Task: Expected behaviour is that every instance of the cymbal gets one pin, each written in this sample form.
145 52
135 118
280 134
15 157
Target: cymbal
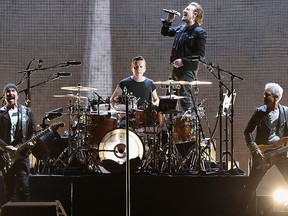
200 83
175 82
79 88
172 82
69 96
172 96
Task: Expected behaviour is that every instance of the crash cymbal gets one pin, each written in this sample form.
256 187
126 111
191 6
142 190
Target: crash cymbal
172 82
79 88
200 83
69 95
175 82
172 96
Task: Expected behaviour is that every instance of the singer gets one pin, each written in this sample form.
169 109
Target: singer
189 44
137 85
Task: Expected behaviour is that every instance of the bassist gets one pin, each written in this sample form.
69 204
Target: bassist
16 126
270 125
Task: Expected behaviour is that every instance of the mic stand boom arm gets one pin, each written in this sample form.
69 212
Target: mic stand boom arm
210 67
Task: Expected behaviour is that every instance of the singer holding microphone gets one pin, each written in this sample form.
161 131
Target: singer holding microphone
189 45
137 85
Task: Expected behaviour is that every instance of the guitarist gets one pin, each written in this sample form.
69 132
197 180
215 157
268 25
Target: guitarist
16 126
270 124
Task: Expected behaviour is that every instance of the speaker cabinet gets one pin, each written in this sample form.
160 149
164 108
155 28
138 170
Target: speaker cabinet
54 208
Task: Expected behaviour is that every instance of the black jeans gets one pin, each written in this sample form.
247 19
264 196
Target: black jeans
255 177
16 186
180 74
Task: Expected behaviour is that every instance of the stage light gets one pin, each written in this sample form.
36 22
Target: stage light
280 197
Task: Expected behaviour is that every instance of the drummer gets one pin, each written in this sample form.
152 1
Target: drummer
137 85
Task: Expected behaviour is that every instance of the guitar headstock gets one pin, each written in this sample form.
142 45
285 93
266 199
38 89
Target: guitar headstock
55 126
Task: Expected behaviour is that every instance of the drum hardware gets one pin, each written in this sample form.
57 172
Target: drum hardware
170 158
171 96
151 161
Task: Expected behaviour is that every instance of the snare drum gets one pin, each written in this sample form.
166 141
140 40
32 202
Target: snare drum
148 118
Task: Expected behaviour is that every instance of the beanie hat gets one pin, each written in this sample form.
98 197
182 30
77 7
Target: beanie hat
9 86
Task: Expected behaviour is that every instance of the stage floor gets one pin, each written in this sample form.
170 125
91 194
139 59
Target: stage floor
105 194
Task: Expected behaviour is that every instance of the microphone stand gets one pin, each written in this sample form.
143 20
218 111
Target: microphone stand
29 73
210 67
38 84
128 208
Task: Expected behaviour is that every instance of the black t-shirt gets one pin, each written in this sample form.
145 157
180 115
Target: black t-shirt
140 90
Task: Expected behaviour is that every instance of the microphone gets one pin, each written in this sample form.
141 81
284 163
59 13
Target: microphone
40 61
99 97
63 74
172 12
73 63
186 113
201 103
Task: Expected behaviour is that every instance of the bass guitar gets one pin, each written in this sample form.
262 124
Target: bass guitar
272 153
8 159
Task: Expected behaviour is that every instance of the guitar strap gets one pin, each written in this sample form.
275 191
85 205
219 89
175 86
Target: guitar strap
283 112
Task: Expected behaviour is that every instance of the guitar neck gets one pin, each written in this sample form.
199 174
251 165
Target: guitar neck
275 152
37 136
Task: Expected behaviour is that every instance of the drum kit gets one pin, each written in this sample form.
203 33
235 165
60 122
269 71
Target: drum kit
162 139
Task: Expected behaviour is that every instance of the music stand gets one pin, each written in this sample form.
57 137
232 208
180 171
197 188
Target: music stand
167 105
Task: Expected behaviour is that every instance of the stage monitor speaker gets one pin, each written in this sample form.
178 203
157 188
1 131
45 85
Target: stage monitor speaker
53 208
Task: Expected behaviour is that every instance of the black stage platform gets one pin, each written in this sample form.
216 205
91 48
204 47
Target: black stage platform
105 194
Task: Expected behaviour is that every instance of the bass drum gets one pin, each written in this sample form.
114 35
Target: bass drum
112 150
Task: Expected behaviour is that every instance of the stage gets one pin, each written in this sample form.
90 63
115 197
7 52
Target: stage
105 194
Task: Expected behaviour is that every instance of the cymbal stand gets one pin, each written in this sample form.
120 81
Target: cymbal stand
151 158
195 152
172 160
77 139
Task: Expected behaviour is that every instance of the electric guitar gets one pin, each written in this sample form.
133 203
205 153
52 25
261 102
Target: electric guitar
8 159
272 153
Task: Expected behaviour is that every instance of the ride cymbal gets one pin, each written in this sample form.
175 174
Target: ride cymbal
78 88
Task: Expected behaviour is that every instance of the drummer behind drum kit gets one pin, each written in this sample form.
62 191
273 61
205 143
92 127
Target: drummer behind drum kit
161 139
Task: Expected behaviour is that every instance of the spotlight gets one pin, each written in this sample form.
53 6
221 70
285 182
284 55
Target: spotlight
280 200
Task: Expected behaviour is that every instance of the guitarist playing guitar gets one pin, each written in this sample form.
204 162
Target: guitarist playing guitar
16 126
270 144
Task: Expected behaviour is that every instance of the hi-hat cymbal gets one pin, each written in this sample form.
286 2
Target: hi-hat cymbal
107 112
172 96
172 82
79 88
69 96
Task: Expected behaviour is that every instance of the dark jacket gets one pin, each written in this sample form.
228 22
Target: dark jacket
262 129
25 128
189 41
